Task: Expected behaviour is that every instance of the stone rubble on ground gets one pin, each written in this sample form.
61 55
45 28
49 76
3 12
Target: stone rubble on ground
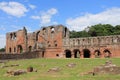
54 69
107 68
71 65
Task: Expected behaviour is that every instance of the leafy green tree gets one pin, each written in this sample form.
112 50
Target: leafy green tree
2 50
101 30
97 30
117 30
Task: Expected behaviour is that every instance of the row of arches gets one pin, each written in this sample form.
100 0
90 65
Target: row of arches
19 49
86 53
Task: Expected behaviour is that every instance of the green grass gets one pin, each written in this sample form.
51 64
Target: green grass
65 73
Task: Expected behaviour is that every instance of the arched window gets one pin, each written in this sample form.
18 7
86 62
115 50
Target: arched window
20 49
55 43
14 49
37 35
65 32
97 53
10 50
30 48
107 53
44 31
52 29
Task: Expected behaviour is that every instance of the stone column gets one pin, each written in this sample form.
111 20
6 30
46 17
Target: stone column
63 55
102 54
81 55
92 54
72 54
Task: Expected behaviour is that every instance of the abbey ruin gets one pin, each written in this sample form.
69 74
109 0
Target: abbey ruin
54 42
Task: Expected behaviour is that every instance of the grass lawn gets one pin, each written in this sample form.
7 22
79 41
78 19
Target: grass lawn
65 73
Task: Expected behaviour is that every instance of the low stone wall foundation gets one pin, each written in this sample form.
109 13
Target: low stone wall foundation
27 55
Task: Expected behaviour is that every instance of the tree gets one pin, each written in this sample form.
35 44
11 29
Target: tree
2 50
117 30
101 30
97 30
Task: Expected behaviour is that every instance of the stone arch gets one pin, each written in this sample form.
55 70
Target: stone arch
86 53
14 36
97 53
43 54
30 48
55 43
76 53
107 53
44 31
68 53
20 49
10 50
52 29
14 49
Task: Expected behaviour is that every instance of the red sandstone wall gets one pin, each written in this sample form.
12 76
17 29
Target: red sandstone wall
13 43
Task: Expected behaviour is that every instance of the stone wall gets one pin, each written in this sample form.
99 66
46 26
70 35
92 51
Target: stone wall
16 41
55 42
101 46
92 41
26 55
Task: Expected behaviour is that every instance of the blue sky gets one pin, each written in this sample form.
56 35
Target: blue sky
75 14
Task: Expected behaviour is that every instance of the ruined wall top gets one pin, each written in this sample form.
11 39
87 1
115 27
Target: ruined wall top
92 41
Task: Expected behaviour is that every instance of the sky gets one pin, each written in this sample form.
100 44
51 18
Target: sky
74 14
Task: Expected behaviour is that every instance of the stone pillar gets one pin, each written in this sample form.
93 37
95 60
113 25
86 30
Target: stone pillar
72 54
92 54
102 54
81 55
63 55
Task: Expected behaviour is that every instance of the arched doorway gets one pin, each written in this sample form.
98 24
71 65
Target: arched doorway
43 53
10 50
20 49
86 53
68 53
30 48
107 53
97 53
76 53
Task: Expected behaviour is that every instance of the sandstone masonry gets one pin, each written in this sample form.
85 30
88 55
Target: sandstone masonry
54 42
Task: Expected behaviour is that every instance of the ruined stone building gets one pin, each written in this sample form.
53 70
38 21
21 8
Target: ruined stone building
54 42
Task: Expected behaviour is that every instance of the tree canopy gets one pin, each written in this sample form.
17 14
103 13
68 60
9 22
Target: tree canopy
97 30
2 50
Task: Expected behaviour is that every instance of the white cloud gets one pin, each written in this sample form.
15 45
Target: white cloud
109 16
35 17
13 8
32 6
45 17
2 41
